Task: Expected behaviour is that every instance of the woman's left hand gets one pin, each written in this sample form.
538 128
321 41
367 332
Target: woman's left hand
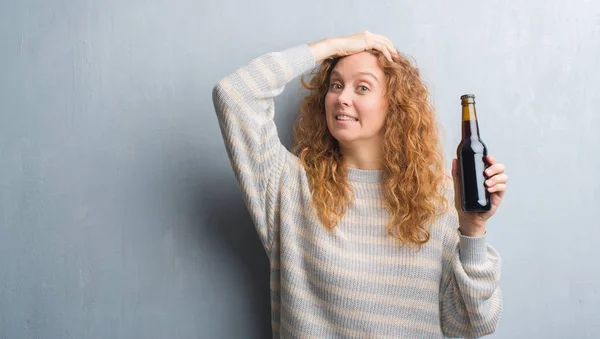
473 224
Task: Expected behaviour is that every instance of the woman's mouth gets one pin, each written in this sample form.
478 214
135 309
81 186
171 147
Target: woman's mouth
343 117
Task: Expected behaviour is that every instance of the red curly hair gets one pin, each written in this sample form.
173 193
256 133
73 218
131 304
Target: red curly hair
413 178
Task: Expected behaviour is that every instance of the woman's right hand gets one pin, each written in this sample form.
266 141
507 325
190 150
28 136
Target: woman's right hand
350 44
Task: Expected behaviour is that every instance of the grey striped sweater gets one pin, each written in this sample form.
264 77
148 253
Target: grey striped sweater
355 281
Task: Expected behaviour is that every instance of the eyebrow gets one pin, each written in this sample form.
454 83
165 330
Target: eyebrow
336 73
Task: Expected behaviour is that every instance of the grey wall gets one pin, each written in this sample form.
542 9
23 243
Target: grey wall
120 216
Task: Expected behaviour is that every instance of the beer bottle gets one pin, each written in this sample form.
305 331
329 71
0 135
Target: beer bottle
471 154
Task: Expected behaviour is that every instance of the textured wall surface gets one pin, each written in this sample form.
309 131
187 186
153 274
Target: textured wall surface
120 216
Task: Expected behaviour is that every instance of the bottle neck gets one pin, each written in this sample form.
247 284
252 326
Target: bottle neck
470 128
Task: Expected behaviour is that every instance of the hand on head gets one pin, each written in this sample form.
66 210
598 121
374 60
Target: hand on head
354 43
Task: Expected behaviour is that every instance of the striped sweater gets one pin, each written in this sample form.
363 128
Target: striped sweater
355 281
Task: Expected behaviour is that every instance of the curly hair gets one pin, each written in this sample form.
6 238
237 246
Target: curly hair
413 178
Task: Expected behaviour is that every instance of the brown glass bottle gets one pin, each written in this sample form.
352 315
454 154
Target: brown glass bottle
471 154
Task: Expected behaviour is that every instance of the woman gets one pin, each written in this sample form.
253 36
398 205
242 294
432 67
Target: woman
361 240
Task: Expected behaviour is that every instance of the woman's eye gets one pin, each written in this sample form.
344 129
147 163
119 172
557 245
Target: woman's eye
336 86
363 88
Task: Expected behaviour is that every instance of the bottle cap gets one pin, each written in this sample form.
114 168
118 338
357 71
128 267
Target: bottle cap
467 96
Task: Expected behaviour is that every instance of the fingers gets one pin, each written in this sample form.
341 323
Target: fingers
385 51
388 44
387 47
498 188
380 43
391 46
501 178
494 170
497 178
497 183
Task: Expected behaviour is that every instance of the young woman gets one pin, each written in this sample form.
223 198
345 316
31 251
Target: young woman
358 223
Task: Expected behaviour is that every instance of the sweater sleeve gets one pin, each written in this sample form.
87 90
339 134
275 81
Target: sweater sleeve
470 297
244 104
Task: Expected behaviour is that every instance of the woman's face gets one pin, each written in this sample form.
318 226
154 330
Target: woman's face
355 104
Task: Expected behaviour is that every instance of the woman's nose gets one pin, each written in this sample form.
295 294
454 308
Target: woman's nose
344 99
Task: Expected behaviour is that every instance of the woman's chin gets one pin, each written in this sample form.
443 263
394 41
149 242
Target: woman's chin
343 138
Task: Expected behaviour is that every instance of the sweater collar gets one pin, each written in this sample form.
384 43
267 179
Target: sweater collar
359 175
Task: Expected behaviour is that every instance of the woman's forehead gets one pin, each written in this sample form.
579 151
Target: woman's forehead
363 63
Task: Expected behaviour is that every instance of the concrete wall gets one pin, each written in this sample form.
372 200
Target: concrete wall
119 213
